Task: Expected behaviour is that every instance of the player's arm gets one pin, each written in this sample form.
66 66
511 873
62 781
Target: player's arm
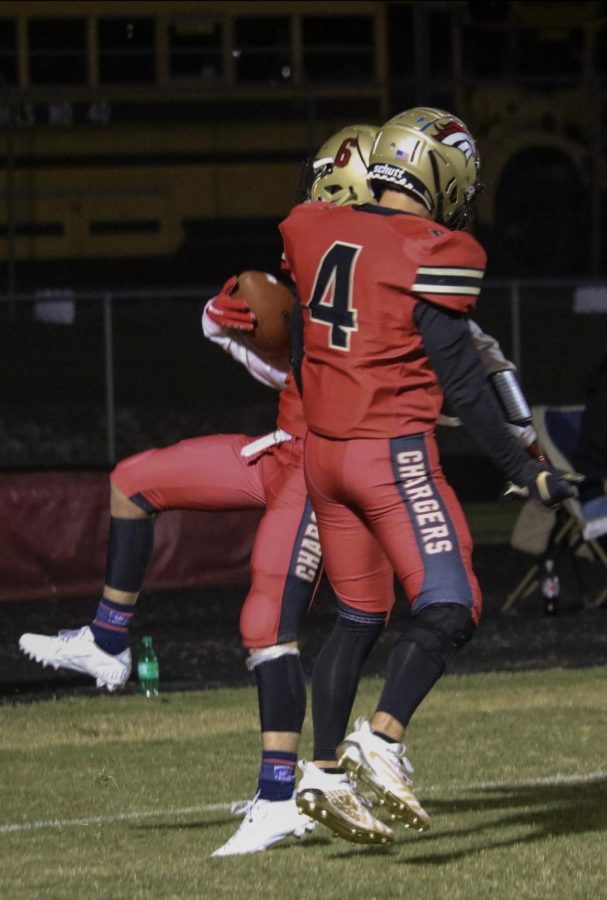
503 380
489 350
449 346
226 320
449 278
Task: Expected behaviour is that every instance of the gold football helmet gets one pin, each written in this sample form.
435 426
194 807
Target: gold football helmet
430 154
338 172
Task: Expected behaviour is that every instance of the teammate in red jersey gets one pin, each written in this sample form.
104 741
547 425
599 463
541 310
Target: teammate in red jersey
385 289
226 472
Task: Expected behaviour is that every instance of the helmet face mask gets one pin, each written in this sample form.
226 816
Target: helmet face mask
338 172
429 154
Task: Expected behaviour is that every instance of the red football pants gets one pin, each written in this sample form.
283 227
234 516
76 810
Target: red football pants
209 473
384 504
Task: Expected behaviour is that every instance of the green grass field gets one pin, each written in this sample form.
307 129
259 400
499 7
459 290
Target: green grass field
124 797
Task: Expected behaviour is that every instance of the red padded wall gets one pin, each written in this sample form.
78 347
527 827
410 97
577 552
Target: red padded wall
53 539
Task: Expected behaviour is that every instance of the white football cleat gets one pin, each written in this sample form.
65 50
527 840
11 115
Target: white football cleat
334 801
265 823
384 768
77 650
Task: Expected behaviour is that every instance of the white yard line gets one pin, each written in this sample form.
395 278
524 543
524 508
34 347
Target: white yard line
85 821
547 781
118 817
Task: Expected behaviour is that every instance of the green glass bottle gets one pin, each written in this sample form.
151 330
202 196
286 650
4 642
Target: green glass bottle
148 670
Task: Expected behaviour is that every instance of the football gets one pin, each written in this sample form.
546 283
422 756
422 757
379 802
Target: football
272 303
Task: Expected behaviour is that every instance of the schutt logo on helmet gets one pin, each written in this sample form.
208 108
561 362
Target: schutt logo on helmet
385 170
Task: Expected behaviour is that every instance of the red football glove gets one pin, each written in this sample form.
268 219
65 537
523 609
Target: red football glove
229 311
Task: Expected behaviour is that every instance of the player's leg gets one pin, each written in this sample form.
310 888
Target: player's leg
364 606
285 571
425 535
336 676
201 473
130 546
337 672
419 523
365 602
101 649
272 815
363 580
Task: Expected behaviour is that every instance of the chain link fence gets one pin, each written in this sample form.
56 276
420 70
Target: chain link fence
89 378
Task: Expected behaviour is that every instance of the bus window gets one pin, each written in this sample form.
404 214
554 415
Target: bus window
8 51
57 51
195 49
339 48
489 10
401 43
440 42
127 50
600 53
262 49
544 52
486 52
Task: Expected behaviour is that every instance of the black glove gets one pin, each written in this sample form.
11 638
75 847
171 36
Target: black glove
545 483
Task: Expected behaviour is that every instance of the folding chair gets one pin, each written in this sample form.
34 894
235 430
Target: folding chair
557 429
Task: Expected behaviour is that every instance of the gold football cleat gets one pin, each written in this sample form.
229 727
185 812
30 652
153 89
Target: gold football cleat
345 814
383 768
332 800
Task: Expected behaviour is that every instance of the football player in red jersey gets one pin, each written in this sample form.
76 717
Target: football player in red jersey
223 472
236 471
385 289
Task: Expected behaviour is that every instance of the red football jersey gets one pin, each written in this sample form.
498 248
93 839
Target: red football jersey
359 272
290 410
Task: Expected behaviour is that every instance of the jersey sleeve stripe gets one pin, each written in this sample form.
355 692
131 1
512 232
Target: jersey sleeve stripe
464 290
455 280
457 271
447 283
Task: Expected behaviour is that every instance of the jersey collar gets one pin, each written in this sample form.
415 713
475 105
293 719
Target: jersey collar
379 210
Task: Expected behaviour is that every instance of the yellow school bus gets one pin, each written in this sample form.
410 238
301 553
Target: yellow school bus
133 129
127 126
533 85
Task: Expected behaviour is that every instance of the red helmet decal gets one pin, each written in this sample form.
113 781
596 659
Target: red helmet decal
455 135
343 155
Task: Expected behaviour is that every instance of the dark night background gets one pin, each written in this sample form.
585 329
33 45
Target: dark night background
149 151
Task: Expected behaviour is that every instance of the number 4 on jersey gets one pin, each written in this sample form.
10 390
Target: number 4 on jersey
331 300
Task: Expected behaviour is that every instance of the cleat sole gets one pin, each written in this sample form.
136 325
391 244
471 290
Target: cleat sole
350 759
314 804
